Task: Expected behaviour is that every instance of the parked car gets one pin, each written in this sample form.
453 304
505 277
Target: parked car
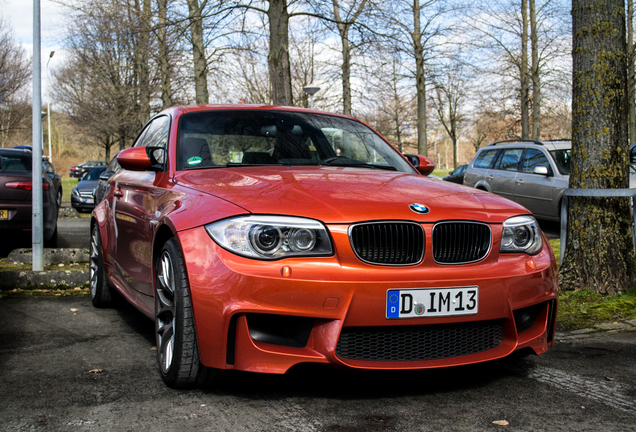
532 173
258 238
456 175
78 171
16 219
83 195
49 169
112 168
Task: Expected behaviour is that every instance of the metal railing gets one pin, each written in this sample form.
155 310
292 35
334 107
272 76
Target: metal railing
594 193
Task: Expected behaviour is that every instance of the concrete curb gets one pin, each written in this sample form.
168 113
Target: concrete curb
53 279
51 256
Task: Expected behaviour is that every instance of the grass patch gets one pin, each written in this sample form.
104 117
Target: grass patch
67 187
441 172
556 248
583 309
45 292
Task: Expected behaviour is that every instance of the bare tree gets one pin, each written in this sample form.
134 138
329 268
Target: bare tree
195 16
599 255
450 96
15 72
419 27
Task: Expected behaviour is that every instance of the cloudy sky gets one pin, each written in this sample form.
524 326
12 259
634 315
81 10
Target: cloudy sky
19 14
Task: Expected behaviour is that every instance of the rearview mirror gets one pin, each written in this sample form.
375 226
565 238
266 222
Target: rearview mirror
423 164
541 170
134 159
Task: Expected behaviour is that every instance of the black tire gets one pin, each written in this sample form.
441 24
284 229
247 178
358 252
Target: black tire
100 291
177 345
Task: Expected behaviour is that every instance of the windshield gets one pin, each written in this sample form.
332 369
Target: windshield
242 138
15 162
94 173
562 160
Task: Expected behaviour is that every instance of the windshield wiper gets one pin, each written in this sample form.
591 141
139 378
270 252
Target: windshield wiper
359 165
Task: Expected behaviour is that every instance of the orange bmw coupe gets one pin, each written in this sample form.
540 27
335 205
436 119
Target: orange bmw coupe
258 238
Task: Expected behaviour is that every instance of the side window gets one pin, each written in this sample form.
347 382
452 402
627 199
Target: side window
156 135
509 160
485 158
534 158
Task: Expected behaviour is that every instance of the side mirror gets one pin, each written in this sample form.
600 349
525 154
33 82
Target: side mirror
106 175
134 159
423 164
541 170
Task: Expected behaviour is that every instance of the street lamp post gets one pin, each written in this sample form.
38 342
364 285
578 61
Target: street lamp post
311 90
48 104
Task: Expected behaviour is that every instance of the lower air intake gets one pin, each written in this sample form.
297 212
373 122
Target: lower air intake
417 343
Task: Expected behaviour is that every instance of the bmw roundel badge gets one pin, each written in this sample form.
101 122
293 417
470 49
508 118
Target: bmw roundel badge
419 208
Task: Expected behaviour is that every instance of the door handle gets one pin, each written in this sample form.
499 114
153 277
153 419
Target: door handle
118 193
489 177
519 181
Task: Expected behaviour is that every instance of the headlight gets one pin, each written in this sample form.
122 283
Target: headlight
75 192
271 237
521 234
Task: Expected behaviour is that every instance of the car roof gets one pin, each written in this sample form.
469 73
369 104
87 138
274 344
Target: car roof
548 145
10 151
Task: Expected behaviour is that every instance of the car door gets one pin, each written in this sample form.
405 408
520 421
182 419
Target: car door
478 173
505 171
534 191
134 209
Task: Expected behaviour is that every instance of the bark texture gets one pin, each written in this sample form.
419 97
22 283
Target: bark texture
535 73
198 51
278 59
523 71
164 54
631 72
599 253
420 80
343 29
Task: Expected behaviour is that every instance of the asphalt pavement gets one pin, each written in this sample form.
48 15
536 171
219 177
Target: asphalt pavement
65 365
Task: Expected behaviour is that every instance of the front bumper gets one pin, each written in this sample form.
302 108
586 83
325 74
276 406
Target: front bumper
250 317
82 203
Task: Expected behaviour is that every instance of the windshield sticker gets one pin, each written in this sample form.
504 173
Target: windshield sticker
195 160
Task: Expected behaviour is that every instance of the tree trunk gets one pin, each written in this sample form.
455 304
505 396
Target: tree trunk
536 78
142 49
198 52
420 81
343 29
523 70
278 59
164 55
599 255
631 72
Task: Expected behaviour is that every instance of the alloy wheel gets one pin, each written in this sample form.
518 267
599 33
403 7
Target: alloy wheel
165 311
94 263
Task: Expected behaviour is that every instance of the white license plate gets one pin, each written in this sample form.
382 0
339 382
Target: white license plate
89 200
432 302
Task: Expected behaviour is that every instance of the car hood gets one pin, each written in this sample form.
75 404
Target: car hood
87 185
345 195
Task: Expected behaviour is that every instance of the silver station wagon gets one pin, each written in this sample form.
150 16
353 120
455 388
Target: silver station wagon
532 173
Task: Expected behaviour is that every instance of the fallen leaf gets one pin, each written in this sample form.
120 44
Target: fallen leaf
500 422
74 310
153 349
96 371
609 379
